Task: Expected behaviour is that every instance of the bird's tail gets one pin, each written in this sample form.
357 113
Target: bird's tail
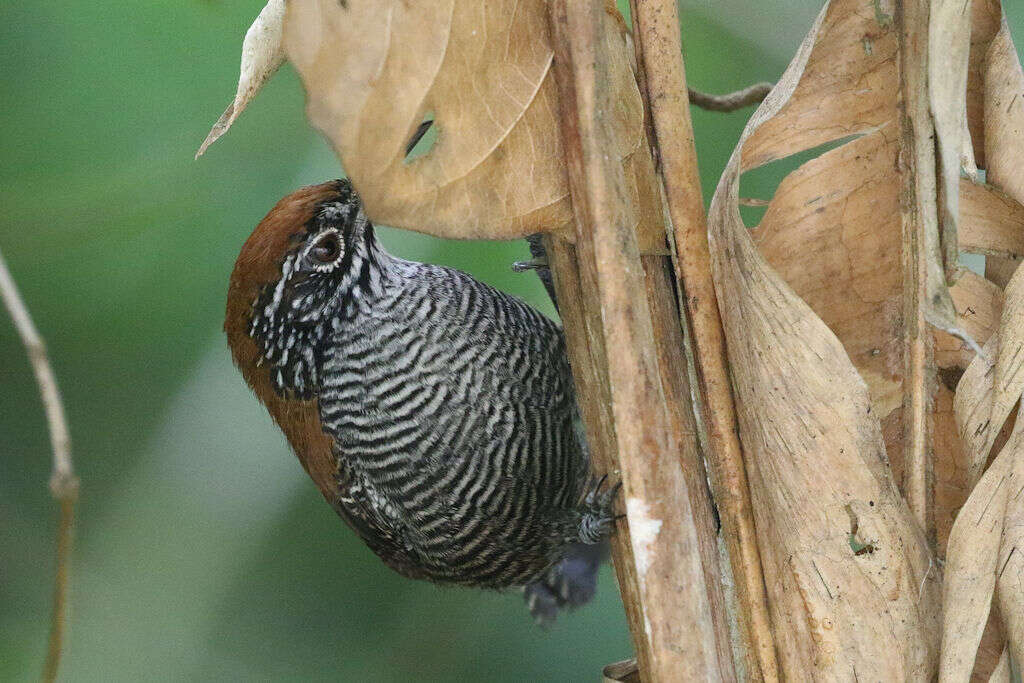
567 584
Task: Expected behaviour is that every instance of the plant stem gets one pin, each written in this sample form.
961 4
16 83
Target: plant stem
659 558
660 58
63 482
917 158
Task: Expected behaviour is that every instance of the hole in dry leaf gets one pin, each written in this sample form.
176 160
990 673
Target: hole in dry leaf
856 545
859 548
422 139
758 186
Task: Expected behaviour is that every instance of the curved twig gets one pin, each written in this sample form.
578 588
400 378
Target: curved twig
732 101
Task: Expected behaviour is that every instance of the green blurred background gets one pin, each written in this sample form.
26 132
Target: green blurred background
203 552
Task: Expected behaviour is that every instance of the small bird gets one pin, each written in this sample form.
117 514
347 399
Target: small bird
434 413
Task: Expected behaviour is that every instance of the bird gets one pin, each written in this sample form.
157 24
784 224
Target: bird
435 414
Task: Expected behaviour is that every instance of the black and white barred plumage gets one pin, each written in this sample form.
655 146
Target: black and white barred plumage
451 410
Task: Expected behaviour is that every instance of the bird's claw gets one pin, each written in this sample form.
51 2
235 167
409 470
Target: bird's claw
532 264
597 510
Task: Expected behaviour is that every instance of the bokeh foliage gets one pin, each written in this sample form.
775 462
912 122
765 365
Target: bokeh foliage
203 551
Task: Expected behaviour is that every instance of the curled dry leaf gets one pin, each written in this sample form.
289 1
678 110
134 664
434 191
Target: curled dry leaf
986 16
1010 563
374 69
849 88
988 393
972 553
991 221
1004 115
1003 125
852 585
832 231
262 55
983 555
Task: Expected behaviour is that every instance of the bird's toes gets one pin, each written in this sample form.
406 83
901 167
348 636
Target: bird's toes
597 510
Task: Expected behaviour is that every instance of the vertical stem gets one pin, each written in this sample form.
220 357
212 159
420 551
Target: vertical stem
659 47
58 614
63 482
585 348
668 339
673 627
917 159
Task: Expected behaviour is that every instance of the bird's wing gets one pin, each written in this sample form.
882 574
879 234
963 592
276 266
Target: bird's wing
380 534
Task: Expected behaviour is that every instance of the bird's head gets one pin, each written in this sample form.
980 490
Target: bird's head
290 284
294 278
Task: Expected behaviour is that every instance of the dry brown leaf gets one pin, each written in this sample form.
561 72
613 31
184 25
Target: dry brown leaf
991 221
852 586
1003 126
848 89
971 558
985 20
991 388
262 55
1004 116
832 231
991 392
374 69
1010 563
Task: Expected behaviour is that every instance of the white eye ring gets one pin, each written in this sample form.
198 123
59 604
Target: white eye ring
326 251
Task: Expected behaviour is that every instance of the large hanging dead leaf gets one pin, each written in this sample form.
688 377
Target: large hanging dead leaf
832 232
851 583
374 69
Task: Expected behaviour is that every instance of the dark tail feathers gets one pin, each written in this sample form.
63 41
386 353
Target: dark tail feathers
568 584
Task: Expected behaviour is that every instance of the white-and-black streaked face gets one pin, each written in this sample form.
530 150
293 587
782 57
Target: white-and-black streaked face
320 274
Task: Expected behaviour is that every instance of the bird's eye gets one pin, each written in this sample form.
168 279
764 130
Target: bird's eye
326 250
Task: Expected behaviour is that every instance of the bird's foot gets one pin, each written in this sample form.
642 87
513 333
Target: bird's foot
597 510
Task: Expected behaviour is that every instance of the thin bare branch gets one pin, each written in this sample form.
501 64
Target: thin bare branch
732 101
63 482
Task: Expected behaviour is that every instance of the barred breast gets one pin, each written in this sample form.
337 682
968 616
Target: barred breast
451 408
